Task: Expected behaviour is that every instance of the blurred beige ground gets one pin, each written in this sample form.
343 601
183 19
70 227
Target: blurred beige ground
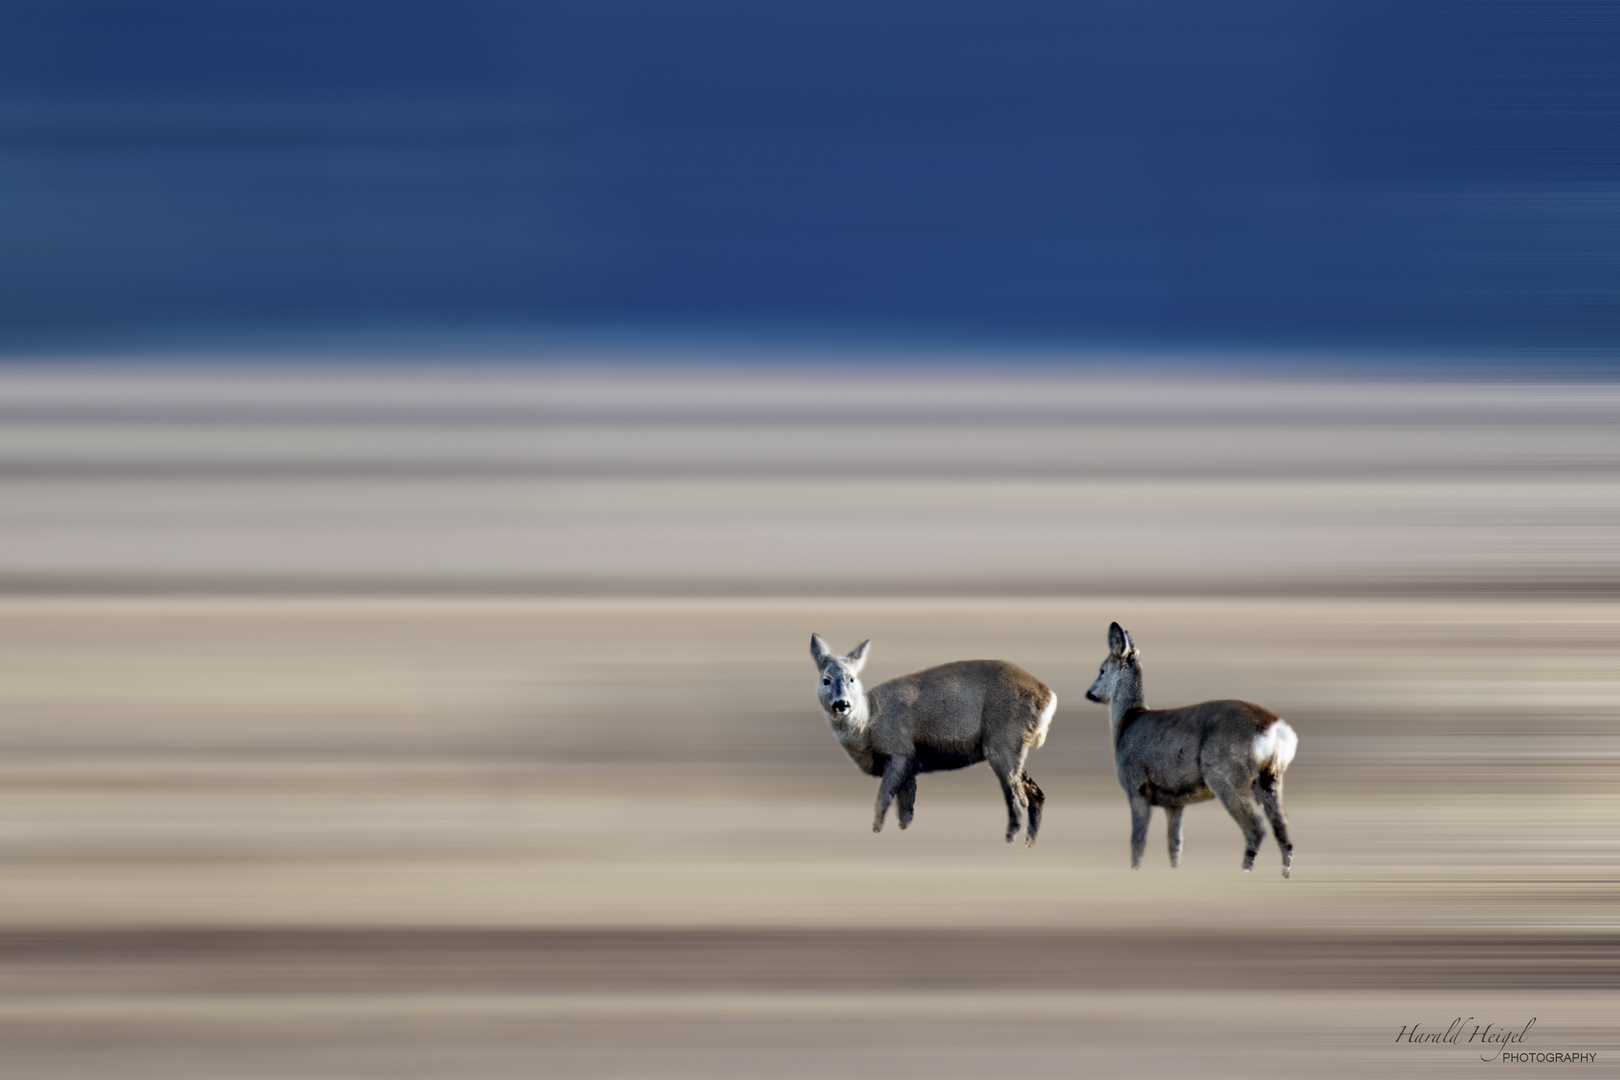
396 723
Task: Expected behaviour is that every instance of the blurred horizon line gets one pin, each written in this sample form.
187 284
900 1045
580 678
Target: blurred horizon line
783 349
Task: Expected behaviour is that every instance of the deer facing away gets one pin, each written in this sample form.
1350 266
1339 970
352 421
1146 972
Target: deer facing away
1228 750
947 717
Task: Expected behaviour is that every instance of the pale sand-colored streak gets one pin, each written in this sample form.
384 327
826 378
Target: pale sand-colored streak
538 665
1245 1031
625 479
581 762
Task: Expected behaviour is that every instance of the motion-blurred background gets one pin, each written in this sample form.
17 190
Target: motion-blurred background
429 435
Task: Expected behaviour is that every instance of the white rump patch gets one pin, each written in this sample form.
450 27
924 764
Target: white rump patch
1275 746
1046 722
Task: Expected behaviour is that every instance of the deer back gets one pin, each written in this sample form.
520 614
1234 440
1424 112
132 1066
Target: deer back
954 705
1175 747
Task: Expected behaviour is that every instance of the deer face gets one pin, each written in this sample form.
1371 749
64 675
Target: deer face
838 683
1121 655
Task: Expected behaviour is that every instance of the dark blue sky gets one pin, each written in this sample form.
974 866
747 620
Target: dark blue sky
1150 171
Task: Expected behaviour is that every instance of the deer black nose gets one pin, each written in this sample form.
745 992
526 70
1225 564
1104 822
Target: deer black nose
840 706
1092 697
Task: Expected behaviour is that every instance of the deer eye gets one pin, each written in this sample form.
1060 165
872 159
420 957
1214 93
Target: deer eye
826 682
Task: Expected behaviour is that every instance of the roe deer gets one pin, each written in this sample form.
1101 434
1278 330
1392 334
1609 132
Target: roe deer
1222 750
947 717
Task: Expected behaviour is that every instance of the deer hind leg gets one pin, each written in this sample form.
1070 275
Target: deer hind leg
1240 804
1269 789
1172 817
1013 790
906 800
1009 769
1035 800
895 774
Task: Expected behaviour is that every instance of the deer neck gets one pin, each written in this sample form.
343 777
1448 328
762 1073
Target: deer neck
1126 699
853 729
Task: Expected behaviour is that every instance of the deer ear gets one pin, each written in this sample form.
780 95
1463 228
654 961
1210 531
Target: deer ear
818 649
1117 639
1130 643
856 657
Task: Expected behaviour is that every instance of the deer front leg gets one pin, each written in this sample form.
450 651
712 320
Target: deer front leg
1141 811
1172 815
895 774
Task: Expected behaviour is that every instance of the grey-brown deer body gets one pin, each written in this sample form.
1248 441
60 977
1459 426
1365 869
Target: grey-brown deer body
1233 751
947 717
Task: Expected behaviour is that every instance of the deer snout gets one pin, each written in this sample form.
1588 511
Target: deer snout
840 707
1093 697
